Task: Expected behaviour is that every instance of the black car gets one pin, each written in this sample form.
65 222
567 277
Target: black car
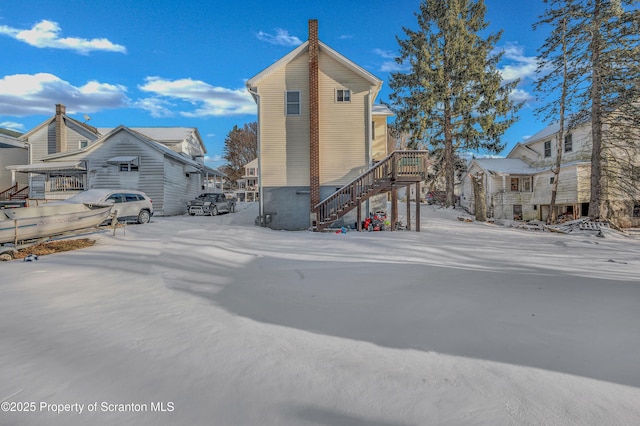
212 204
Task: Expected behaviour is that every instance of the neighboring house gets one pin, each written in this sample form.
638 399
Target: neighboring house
316 125
213 180
248 185
12 151
519 186
68 156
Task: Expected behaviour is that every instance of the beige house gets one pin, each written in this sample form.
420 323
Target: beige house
519 186
319 129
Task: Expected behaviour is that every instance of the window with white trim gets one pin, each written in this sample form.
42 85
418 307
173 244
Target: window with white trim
568 143
343 95
128 167
83 144
292 98
547 149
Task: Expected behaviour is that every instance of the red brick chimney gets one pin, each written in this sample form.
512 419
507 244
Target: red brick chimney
61 129
314 121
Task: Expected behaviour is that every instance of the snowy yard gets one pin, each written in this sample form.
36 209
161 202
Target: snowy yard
213 321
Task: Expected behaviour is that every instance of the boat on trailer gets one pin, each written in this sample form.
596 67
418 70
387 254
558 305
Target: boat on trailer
24 224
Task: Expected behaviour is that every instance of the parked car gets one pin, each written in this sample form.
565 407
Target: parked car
212 204
129 205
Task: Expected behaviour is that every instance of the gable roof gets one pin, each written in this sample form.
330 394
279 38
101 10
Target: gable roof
164 135
150 142
65 117
304 47
253 163
507 166
11 142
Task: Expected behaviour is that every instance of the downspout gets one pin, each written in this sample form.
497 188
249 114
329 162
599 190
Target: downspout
369 156
254 93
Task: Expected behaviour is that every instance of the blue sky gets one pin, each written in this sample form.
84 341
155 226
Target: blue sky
184 63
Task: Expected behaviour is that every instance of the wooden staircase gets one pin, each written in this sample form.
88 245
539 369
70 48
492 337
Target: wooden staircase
14 193
399 168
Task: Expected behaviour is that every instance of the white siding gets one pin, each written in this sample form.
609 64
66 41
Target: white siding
12 157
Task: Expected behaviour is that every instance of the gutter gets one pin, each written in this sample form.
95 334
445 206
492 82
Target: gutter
256 97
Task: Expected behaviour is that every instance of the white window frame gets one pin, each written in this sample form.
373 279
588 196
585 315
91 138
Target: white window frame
343 96
547 151
568 142
287 103
83 144
128 167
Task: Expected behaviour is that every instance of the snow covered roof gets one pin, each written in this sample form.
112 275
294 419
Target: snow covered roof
160 134
506 166
381 110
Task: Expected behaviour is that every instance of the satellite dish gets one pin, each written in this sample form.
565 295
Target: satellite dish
86 118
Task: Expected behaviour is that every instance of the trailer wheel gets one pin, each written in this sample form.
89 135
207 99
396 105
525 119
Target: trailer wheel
4 257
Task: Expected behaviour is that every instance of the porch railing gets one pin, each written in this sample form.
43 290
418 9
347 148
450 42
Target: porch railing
398 167
65 183
15 192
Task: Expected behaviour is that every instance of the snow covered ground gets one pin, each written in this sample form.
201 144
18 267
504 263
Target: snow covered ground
213 321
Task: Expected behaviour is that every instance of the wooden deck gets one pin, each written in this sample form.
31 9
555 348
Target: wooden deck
398 169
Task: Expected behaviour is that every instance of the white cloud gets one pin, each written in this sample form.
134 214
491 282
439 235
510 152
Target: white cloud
393 66
213 159
27 94
345 37
521 95
517 65
208 100
47 34
12 125
281 38
385 53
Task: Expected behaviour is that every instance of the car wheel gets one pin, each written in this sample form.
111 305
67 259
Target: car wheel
191 214
144 216
214 211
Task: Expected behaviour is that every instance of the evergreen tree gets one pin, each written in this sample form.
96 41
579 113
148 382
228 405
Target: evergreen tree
453 98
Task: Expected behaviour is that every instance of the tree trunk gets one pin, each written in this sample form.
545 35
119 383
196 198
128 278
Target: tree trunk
596 116
480 199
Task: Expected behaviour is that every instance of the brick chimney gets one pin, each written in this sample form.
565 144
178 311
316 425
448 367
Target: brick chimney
314 121
61 129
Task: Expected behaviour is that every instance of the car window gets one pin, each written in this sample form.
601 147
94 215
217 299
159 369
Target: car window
117 198
131 197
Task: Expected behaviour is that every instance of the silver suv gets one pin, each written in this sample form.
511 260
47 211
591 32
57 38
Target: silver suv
212 204
130 205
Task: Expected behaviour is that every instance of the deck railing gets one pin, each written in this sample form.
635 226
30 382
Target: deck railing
397 167
65 183
15 192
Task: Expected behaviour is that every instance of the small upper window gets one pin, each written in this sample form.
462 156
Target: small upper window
343 95
83 144
547 149
568 143
293 102
128 167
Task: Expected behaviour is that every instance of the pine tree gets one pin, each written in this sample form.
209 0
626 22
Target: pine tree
453 98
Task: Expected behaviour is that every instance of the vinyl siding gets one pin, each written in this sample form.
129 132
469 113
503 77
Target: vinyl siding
43 141
344 126
12 157
284 139
163 179
379 145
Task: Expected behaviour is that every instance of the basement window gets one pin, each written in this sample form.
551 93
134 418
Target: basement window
343 95
293 102
517 212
